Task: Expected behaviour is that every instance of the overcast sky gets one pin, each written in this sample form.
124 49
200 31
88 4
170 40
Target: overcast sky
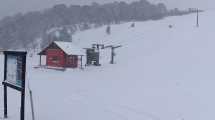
10 7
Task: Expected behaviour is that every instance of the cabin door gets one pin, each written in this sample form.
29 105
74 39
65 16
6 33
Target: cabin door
73 61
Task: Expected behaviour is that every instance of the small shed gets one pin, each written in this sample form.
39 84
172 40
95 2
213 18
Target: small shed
92 56
62 54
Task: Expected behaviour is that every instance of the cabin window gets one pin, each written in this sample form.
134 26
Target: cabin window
55 59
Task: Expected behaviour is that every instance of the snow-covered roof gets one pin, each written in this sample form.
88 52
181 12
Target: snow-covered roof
69 48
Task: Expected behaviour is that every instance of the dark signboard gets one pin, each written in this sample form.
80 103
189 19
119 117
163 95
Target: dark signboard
14 76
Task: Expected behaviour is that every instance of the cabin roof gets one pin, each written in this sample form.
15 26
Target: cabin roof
68 48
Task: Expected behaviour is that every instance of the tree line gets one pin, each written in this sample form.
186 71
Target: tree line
21 30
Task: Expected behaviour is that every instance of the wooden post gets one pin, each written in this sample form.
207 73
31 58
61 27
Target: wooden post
81 62
40 60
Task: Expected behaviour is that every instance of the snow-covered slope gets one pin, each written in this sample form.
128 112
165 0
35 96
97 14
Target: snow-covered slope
160 74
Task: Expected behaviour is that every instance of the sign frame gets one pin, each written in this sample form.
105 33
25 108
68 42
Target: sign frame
6 84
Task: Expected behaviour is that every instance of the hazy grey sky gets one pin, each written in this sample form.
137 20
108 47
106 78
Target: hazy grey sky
10 7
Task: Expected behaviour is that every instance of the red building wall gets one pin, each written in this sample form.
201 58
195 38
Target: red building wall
55 58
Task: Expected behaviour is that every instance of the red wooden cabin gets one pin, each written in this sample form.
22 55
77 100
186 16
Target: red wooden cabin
61 54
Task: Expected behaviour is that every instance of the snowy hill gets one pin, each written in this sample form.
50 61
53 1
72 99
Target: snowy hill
160 74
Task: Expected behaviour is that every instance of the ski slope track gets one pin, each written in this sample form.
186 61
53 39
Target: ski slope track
161 73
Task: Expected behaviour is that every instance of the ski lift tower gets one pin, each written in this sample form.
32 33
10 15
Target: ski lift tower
113 54
196 10
197 17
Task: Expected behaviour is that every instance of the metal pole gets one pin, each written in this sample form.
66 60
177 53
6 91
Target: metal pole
112 55
22 111
197 18
5 87
32 105
5 101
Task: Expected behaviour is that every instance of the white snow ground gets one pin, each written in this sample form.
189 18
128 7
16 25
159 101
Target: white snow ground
160 74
